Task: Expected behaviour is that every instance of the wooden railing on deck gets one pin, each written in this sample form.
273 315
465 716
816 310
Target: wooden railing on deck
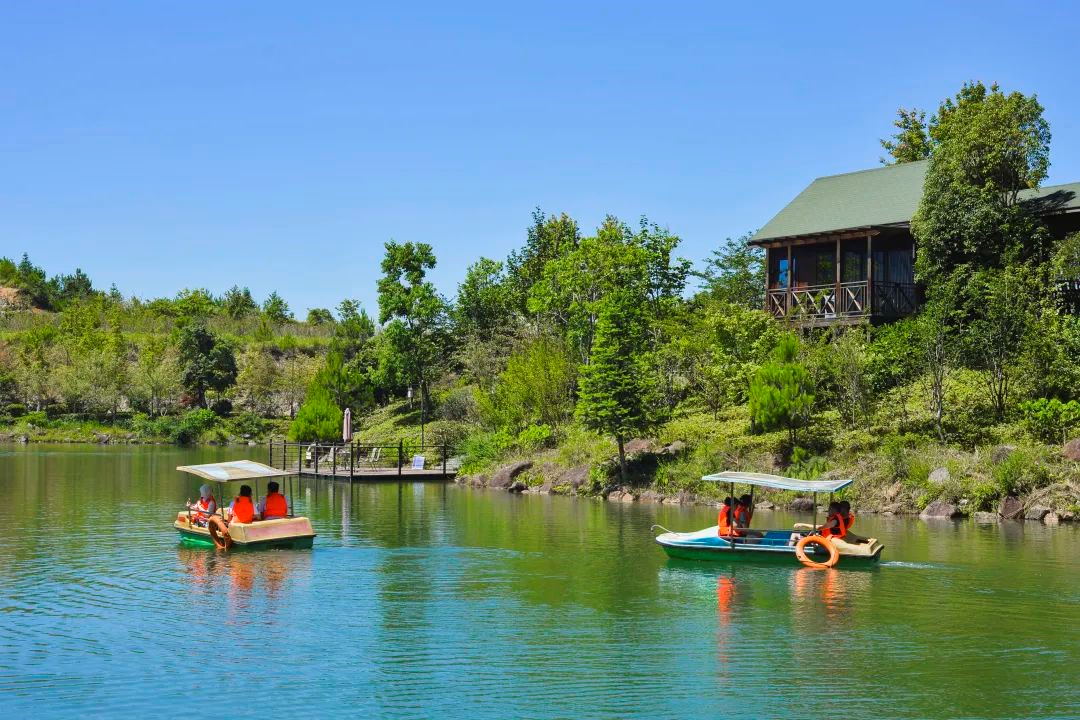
822 302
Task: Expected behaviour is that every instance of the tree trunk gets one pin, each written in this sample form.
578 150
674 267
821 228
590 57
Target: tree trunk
622 458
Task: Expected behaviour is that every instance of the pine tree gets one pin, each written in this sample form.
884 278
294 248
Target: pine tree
780 396
617 390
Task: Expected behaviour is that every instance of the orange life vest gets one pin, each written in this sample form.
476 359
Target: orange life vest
276 505
723 526
849 521
242 510
742 515
839 531
202 507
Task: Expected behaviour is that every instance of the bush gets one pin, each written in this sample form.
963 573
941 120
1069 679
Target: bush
15 409
191 425
482 449
248 425
535 437
37 418
458 404
1049 419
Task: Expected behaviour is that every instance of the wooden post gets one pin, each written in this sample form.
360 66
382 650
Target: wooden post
352 454
869 275
790 283
444 461
400 451
316 459
768 259
836 293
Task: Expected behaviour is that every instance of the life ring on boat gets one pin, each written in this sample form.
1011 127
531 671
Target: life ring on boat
219 532
800 552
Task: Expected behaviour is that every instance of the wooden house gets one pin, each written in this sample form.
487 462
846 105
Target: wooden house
842 250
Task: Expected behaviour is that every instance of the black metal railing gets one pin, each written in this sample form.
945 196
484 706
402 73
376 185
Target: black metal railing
363 460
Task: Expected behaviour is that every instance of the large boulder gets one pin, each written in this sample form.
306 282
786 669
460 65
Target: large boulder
802 504
650 496
673 449
985 518
1036 512
1010 507
505 476
939 476
1001 453
1071 451
940 509
765 505
638 446
1051 518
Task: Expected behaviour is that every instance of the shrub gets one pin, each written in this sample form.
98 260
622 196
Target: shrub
458 404
248 425
482 449
15 409
37 418
191 425
535 437
1049 419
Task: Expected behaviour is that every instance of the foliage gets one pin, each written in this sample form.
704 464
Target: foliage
319 418
735 274
781 396
911 141
238 303
617 391
480 450
548 239
1050 419
483 299
207 362
319 316
535 437
276 309
536 387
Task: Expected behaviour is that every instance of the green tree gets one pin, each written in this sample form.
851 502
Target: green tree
988 146
276 309
319 417
237 303
256 380
617 390
413 313
483 301
536 388
206 362
155 376
781 394
911 141
297 371
549 238
319 316
735 274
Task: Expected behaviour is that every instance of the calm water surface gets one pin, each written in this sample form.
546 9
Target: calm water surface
426 600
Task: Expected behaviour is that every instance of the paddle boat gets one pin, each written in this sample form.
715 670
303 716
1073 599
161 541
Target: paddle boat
293 532
799 544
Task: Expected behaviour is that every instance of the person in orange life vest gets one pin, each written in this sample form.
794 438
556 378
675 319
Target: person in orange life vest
241 509
724 525
273 506
744 513
834 526
204 508
849 520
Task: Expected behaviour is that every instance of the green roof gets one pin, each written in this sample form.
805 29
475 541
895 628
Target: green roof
886 195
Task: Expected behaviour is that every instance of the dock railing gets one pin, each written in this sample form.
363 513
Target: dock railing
356 460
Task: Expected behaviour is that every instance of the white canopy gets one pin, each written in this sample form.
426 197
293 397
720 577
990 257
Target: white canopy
778 482
233 470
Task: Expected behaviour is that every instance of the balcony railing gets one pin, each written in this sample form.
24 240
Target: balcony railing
824 302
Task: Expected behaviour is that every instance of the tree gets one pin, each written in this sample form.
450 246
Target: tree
257 380
276 309
549 238
206 362
237 303
194 305
319 316
781 394
937 353
297 372
414 313
988 146
155 375
1003 306
617 391
735 274
911 141
483 301
536 388
319 417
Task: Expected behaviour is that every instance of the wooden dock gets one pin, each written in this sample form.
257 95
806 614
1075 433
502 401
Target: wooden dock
364 462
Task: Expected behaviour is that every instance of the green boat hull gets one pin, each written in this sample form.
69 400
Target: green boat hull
199 540
755 557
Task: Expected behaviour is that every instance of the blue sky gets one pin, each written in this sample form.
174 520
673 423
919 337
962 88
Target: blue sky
163 145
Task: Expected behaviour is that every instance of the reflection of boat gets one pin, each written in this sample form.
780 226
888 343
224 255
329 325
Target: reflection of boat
288 532
772 545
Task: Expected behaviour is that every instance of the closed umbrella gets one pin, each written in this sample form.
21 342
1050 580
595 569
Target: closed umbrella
346 428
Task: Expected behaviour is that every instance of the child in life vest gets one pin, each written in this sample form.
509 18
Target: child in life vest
204 508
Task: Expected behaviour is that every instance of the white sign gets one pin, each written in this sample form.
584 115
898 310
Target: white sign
418 462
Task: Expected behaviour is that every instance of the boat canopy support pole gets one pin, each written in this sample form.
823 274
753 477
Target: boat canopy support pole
815 511
731 517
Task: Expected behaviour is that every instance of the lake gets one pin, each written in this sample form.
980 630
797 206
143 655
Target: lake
431 600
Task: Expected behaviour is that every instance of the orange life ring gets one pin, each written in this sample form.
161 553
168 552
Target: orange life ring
219 532
800 552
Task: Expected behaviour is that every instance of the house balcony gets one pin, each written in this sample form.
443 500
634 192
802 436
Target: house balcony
846 302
